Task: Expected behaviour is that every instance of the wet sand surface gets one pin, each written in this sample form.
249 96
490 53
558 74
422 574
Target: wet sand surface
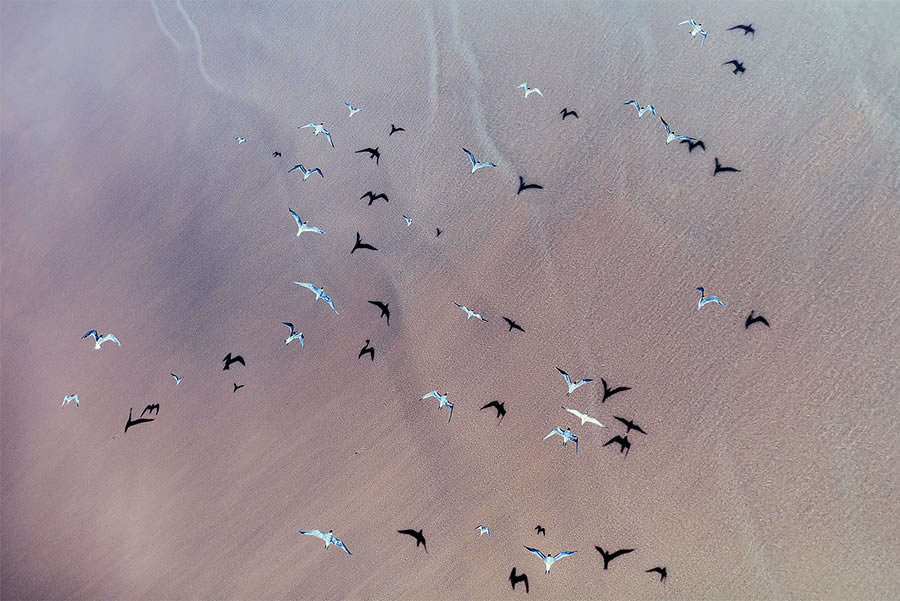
769 470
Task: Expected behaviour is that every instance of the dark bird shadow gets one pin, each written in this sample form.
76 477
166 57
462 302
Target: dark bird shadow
501 410
692 144
229 360
608 557
748 29
661 571
523 186
367 349
385 312
416 534
513 325
622 441
566 113
630 425
373 197
237 387
752 320
361 245
135 422
373 153
720 169
608 392
395 129
515 579
540 530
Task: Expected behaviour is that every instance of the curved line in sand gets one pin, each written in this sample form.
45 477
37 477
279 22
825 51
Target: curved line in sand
162 26
196 33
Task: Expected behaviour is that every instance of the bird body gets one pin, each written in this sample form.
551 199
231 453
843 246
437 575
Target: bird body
641 111
320 293
705 300
567 435
319 129
294 335
483 530
408 220
303 226
69 398
328 537
671 136
442 399
99 340
548 560
306 172
353 111
696 30
584 417
470 313
240 140
475 164
529 90
573 386
177 379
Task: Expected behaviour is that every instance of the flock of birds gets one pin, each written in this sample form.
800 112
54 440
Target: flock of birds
572 385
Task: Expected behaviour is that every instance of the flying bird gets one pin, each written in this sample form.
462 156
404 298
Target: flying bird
608 392
483 530
373 153
641 111
752 320
549 561
514 579
237 386
567 435
177 379
353 111
476 165
630 425
276 154
712 299
408 220
367 349
98 339
720 169
540 530
320 293
573 386
584 417
69 398
306 172
329 538
361 245
229 360
395 129
529 90
524 186
693 145
470 313
622 441
565 113
661 571
670 136
416 534
442 398
608 557
738 67
294 335
501 410
240 140
513 325
303 226
695 30
748 29
385 312
374 197
319 129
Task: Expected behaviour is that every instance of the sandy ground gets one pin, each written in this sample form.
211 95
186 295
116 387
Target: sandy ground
770 467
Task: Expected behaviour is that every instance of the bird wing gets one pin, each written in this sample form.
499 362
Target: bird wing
433 393
316 533
112 337
555 431
307 125
290 325
592 420
348 106
563 554
685 138
538 92
330 141
576 413
306 285
295 167
91 333
666 125
536 552
315 230
471 156
566 376
688 21
522 85
296 216
331 303
339 543
317 170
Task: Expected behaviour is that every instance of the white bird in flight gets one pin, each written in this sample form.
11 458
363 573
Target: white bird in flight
240 140
177 379
695 30
302 225
408 220
712 299
293 335
584 417
640 110
549 561
483 530
575 385
328 537
529 90
306 172
320 129
476 165
470 313
320 293
670 136
69 398
443 401
98 339
353 111
567 436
